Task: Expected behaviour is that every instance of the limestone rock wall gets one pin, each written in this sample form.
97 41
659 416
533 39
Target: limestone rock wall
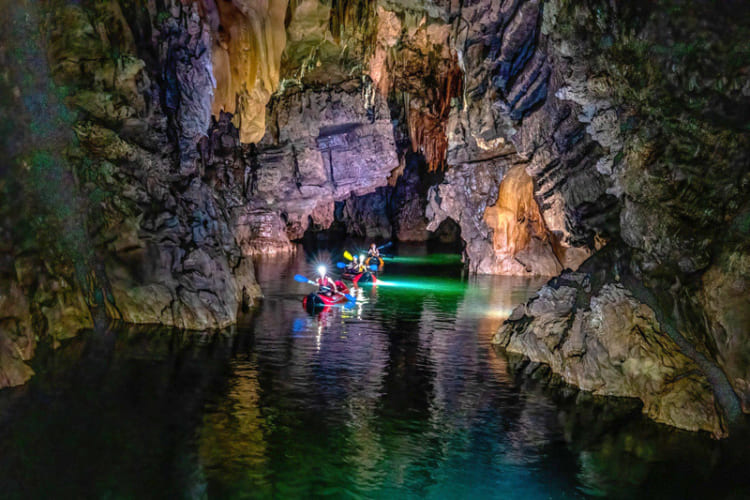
322 147
725 298
510 112
105 205
392 212
607 342
166 238
46 288
662 139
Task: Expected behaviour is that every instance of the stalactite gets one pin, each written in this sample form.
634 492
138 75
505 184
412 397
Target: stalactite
427 124
354 19
249 37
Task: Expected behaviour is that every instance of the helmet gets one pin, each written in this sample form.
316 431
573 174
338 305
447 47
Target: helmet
322 270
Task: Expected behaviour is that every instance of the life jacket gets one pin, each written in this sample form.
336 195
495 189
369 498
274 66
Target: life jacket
326 282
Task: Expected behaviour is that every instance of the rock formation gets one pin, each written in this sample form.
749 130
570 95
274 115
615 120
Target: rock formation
678 224
607 342
395 211
323 147
247 41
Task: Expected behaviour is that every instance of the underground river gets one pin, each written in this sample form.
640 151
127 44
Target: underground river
401 395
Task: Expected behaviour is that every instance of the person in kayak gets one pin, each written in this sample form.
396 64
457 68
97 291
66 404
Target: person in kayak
326 286
373 252
353 265
373 256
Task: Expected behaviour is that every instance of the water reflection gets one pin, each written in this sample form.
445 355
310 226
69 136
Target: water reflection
400 395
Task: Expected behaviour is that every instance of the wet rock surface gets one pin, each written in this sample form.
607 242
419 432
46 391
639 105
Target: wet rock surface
610 344
166 237
512 114
726 301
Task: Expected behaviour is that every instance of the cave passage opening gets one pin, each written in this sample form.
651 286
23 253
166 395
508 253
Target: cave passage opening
394 213
446 238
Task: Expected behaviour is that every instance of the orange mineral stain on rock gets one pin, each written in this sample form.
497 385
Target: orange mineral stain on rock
521 240
427 123
249 37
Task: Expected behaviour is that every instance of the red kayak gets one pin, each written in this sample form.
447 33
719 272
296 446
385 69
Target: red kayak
316 301
360 278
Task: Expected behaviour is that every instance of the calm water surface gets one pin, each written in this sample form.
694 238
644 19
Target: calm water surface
399 396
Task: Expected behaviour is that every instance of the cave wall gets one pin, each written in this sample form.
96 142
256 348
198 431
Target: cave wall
511 114
395 211
660 96
108 213
247 39
132 193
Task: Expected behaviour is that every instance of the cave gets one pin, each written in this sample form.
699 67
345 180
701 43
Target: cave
447 237
555 196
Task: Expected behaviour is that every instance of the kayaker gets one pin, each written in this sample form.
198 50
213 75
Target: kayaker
353 265
326 285
373 251
373 256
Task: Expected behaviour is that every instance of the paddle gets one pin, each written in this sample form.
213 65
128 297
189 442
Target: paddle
341 265
386 245
347 255
301 279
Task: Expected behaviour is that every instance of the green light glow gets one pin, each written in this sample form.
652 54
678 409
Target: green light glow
426 284
431 259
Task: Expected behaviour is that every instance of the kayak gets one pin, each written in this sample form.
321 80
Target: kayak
356 278
316 301
374 261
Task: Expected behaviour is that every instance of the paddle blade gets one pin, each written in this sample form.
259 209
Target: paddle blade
340 265
350 298
300 279
347 255
385 245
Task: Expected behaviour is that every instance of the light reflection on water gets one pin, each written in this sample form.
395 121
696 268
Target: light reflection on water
400 395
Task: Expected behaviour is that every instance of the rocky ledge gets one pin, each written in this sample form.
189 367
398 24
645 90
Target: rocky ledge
601 330
608 343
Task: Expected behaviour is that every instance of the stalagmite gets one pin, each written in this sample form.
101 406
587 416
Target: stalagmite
520 239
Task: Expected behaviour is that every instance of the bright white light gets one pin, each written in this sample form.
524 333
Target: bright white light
321 270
